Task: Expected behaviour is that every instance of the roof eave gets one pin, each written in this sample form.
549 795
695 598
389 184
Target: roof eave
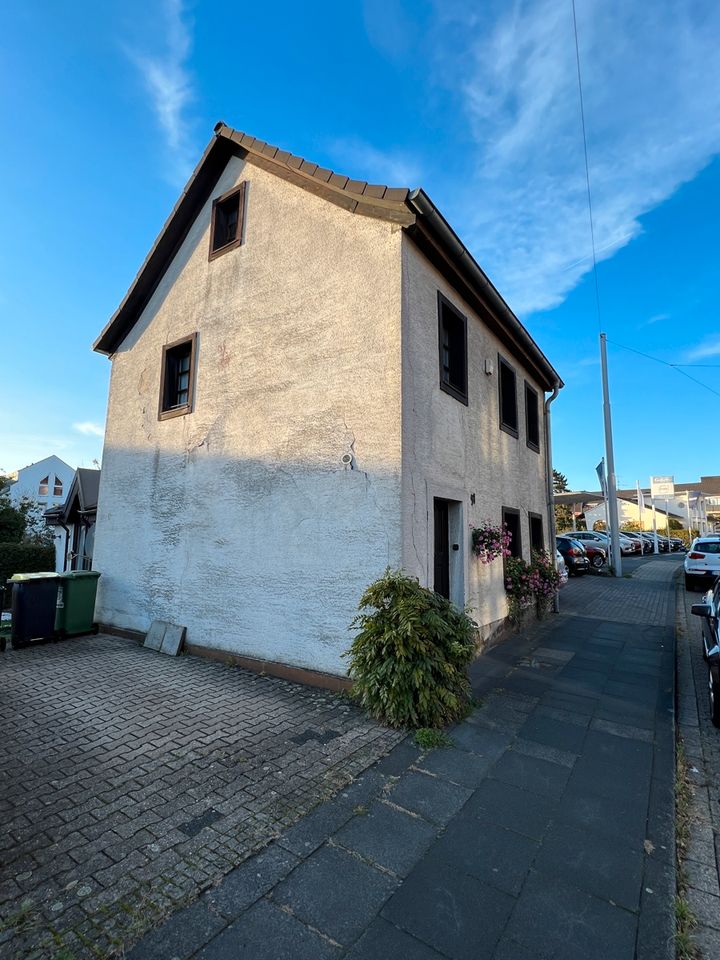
429 215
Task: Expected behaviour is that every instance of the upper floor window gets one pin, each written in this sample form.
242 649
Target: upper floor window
532 418
452 343
57 487
227 221
508 398
44 486
177 378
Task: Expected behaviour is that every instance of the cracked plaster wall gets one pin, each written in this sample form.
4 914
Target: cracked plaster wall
239 520
453 451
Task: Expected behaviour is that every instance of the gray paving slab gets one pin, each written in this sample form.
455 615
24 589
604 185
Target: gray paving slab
531 774
492 854
383 940
432 798
511 807
335 893
611 871
452 912
552 915
387 837
266 932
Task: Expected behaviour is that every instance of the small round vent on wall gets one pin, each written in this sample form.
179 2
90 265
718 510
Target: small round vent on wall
347 459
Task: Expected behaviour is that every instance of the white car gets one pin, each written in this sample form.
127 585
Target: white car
702 563
627 544
561 568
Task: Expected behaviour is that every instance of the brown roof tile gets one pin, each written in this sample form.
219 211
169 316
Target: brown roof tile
375 190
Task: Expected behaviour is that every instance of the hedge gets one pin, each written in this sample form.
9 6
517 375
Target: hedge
24 558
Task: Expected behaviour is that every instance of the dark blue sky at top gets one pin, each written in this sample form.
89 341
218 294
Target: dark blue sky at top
377 91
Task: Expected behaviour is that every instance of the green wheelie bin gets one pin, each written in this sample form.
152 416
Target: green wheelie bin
76 602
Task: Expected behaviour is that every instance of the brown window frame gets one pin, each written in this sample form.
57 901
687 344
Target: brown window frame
460 394
504 425
513 511
167 414
531 443
240 192
536 517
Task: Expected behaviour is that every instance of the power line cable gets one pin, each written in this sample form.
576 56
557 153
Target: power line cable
673 366
587 167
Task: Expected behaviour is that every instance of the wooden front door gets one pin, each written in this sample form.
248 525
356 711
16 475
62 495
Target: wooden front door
442 548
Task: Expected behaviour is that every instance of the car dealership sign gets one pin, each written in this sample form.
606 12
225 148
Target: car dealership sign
662 487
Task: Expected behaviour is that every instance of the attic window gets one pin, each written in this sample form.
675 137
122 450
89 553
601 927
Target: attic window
452 343
508 398
227 221
177 378
43 489
532 418
57 487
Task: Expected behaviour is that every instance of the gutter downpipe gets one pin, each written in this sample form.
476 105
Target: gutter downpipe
550 491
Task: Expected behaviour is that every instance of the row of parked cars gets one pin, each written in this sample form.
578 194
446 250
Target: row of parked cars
582 550
702 569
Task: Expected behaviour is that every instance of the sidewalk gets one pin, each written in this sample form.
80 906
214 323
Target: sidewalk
545 833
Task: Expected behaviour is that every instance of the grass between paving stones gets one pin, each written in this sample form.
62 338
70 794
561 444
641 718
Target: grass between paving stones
685 920
427 738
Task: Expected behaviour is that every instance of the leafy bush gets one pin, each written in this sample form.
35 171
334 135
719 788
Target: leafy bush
409 660
23 558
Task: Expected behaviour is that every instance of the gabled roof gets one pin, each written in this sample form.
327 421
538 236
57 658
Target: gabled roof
82 496
412 209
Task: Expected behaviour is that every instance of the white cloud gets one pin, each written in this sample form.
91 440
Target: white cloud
360 160
710 347
169 83
651 81
89 428
656 318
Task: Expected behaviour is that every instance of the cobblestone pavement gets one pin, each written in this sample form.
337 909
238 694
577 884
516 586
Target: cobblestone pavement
702 748
130 782
546 832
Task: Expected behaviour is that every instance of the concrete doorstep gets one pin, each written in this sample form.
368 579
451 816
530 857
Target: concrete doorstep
546 832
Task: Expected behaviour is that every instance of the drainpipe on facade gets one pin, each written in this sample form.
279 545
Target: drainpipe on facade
550 489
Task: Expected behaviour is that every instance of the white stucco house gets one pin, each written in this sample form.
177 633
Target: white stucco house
47 483
312 379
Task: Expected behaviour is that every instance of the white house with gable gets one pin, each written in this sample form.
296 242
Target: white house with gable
47 483
312 379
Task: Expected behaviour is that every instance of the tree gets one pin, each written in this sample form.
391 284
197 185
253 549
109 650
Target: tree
560 482
632 525
563 513
24 522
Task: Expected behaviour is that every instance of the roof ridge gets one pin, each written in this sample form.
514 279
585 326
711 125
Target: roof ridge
299 165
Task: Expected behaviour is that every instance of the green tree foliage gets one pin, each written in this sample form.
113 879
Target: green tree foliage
633 526
409 659
22 522
563 513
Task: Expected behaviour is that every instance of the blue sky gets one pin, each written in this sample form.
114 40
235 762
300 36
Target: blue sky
107 108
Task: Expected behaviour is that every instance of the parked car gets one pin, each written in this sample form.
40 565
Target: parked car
702 562
677 543
709 611
561 568
573 553
638 537
597 555
589 536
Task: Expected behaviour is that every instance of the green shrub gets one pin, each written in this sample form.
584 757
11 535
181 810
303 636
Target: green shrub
409 660
23 558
